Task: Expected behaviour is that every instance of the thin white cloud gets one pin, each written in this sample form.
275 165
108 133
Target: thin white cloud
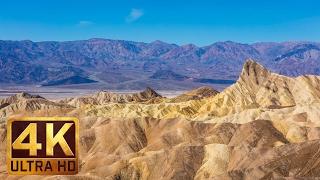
84 23
134 15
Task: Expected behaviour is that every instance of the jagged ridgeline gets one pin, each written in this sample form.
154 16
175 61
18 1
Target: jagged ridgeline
264 126
119 64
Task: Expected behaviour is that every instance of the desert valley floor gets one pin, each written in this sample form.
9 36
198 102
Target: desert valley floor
264 126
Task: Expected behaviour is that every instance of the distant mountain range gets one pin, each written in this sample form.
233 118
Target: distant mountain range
118 64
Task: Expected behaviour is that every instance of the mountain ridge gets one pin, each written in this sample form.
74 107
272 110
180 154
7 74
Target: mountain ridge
27 62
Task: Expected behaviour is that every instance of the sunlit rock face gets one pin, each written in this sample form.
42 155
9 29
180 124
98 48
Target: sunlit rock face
265 126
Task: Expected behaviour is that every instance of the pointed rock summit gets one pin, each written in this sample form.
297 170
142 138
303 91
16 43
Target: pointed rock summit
258 87
253 72
148 93
255 78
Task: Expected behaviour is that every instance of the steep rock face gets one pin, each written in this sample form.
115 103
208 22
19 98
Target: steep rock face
255 87
259 88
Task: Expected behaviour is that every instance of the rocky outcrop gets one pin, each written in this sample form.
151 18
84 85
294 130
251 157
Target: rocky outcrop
257 87
27 103
105 97
199 93
18 97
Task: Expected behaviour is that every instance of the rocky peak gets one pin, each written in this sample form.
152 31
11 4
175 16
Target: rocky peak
253 73
26 95
252 68
149 93
18 97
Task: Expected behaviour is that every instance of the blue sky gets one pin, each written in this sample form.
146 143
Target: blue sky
200 22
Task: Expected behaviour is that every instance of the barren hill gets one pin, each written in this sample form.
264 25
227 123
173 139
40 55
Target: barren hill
265 126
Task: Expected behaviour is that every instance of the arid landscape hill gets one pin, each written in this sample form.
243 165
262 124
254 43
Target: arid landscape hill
264 126
105 97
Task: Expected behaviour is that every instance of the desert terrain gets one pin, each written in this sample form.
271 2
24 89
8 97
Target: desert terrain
264 126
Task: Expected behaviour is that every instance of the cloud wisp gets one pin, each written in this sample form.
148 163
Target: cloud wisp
134 15
84 23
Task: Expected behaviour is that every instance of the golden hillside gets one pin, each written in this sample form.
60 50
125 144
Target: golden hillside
265 126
